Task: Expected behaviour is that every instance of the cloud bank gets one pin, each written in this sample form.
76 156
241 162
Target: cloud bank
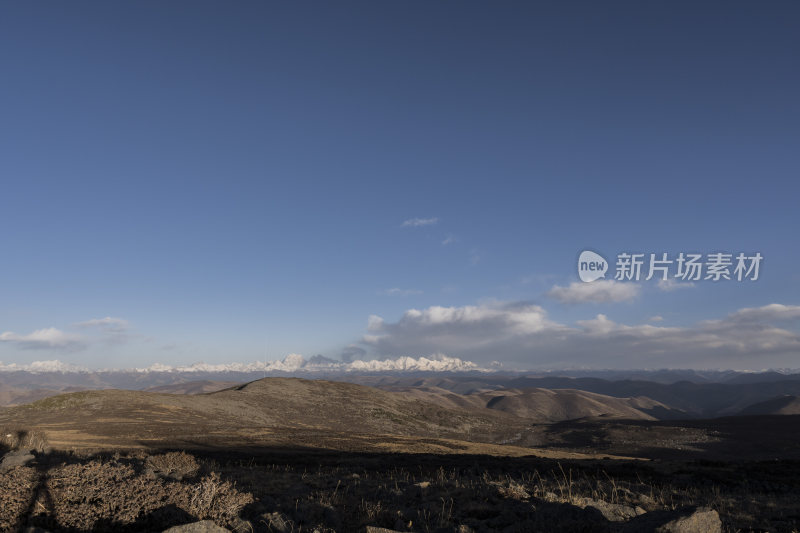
523 335
44 339
106 330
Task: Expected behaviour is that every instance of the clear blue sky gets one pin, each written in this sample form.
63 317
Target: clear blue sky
230 180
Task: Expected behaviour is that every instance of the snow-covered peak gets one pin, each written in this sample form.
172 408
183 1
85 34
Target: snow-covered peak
438 363
292 363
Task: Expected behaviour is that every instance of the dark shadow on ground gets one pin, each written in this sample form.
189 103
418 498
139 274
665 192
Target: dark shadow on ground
756 438
307 487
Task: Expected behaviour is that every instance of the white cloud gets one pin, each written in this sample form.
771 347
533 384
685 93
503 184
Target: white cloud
521 335
106 330
524 335
601 291
448 240
43 339
374 323
419 222
108 323
396 291
767 312
109 330
460 331
669 285
523 318
656 318
602 326
42 366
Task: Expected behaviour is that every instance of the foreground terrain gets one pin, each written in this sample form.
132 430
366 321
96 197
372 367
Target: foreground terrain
312 490
286 455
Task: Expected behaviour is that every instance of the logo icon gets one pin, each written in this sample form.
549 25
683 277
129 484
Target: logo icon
591 266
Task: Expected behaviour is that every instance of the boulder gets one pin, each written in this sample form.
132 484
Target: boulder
685 520
15 459
613 512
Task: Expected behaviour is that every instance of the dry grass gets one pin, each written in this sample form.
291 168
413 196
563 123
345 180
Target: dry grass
175 465
20 439
215 499
140 491
102 493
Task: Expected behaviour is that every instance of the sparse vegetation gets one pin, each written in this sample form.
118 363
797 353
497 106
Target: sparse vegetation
175 465
22 439
99 493
140 491
62 401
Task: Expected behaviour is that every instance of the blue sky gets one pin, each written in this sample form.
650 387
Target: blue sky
230 182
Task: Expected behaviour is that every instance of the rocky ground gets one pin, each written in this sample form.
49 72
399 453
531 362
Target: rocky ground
305 490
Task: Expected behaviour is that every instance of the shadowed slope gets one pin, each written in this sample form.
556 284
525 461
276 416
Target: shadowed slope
782 405
541 405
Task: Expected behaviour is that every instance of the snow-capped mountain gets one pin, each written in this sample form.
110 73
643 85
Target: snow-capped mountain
297 363
292 363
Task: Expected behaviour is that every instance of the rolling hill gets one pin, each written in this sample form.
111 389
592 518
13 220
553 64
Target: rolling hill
539 405
283 412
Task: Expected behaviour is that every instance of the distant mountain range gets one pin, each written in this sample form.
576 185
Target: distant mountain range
318 364
635 394
677 400
292 363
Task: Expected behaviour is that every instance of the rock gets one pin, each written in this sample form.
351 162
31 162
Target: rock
556 517
204 526
701 520
644 499
685 520
613 512
33 529
15 459
375 529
